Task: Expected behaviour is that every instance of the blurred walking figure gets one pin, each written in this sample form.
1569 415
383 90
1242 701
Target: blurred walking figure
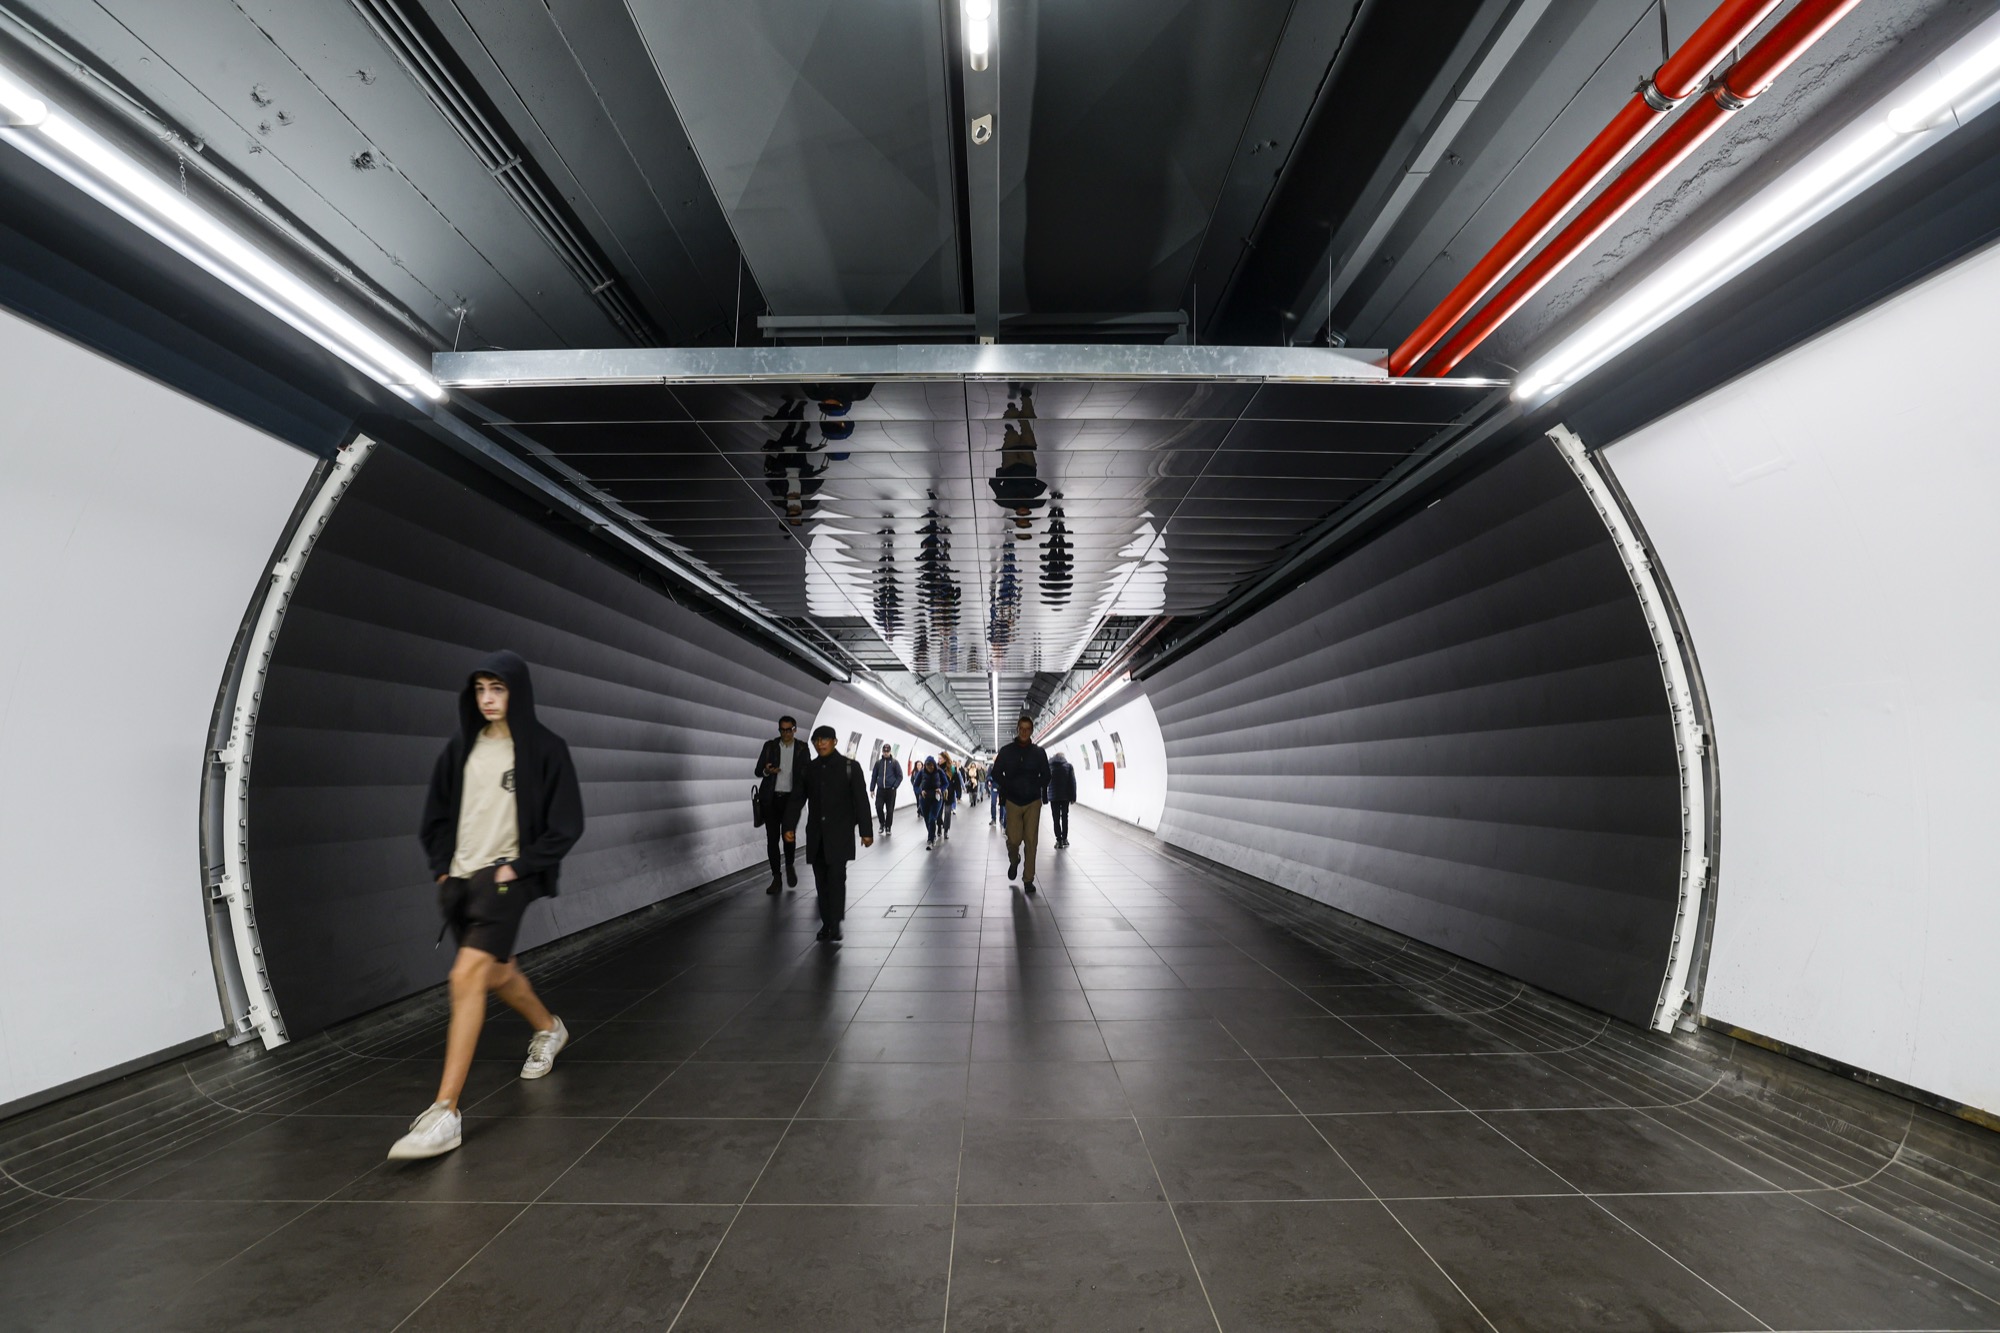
884 782
836 799
992 796
1062 794
928 785
780 764
1021 771
504 808
954 788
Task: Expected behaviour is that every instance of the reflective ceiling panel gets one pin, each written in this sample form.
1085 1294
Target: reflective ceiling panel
978 525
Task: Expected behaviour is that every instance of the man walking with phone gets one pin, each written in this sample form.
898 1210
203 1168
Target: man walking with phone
780 767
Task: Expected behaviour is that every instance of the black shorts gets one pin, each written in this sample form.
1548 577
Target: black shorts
484 915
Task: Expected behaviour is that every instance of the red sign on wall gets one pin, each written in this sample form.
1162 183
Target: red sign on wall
1110 775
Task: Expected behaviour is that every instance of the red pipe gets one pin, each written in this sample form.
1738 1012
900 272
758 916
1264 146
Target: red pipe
1790 39
1732 21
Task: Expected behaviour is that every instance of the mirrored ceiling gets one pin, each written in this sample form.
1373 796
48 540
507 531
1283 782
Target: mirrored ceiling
975 525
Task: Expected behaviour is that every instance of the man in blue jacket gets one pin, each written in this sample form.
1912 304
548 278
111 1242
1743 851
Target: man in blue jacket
1021 775
504 808
884 782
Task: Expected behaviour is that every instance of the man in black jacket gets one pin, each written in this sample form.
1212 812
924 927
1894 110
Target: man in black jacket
884 782
837 805
781 767
1021 773
504 808
1062 794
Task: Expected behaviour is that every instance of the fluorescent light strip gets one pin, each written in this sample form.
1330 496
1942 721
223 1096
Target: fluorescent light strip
1102 694
1964 82
121 184
924 727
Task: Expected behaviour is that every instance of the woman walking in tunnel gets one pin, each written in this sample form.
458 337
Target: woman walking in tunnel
929 787
504 808
954 789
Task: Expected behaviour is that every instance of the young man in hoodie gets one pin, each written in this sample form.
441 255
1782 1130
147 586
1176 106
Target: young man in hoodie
504 808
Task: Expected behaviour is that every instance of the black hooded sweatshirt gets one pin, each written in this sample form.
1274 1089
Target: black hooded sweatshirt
547 801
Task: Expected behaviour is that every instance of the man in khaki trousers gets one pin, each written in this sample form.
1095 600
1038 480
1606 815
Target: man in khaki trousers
1021 775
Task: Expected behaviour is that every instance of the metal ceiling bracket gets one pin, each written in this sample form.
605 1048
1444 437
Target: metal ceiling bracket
922 361
233 888
1690 736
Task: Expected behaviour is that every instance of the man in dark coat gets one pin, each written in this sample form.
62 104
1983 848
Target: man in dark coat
780 771
836 805
504 808
884 781
1062 794
1021 772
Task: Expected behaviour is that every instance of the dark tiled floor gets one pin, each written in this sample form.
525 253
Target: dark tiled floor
1154 1097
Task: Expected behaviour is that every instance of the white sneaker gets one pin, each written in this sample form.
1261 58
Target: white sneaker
432 1134
543 1049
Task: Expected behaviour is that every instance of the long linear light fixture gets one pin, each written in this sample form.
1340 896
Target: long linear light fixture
1102 694
978 19
66 147
923 725
1960 84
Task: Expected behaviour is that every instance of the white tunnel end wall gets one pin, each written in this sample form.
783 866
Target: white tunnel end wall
135 524
1828 525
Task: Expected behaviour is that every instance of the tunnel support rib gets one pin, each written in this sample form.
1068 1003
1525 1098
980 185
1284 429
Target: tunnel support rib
1690 737
254 664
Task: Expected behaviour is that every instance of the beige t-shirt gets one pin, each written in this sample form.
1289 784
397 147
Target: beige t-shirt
489 826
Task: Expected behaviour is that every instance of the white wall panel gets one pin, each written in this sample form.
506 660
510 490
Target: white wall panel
1829 525
847 719
134 526
1139 796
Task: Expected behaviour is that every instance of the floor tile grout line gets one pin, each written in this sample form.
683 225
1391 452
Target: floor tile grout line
957 1189
1374 1194
1167 1197
722 1240
594 1144
1775 1187
1594 1202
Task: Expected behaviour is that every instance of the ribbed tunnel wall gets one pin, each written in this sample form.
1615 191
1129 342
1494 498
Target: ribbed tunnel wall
414 579
1459 732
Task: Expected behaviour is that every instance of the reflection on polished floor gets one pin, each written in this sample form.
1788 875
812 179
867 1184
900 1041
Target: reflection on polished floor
1157 1097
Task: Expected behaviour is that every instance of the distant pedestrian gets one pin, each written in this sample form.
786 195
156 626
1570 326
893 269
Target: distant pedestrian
780 765
928 785
954 788
503 810
1062 794
884 782
1021 771
836 806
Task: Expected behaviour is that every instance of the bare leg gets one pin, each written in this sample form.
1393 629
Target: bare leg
473 973
511 985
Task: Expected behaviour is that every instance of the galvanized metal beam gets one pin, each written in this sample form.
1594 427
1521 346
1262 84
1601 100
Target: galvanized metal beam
1046 361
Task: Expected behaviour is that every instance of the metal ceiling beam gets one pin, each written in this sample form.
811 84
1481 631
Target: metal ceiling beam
979 147
1014 361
